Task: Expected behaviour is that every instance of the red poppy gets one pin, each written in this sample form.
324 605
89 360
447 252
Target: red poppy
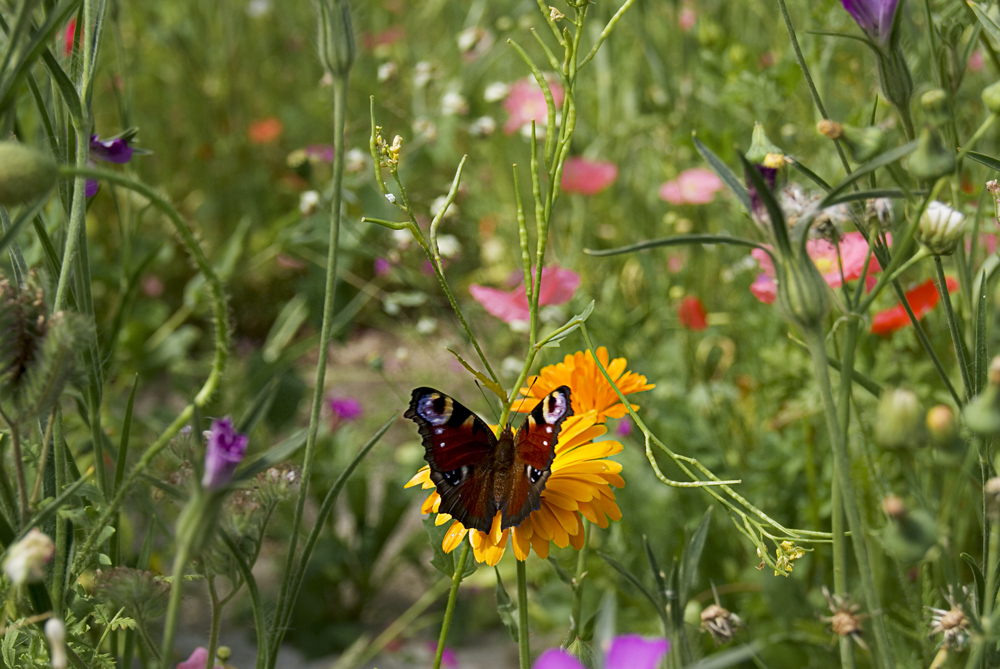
691 313
922 299
265 130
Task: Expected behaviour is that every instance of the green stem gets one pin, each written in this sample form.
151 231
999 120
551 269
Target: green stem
174 606
817 349
956 336
523 649
840 565
22 484
62 529
449 610
213 632
576 619
333 244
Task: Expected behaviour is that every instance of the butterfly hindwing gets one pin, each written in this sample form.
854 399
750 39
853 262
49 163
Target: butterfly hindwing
534 450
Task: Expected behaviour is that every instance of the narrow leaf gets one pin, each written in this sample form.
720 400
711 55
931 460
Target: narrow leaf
722 170
881 160
631 578
977 575
982 357
506 608
692 556
677 240
487 382
982 158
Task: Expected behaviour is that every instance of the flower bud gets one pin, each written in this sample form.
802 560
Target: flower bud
900 420
991 97
935 104
932 159
991 493
802 292
55 631
25 173
940 228
762 149
863 143
908 537
25 561
941 425
894 76
982 414
336 36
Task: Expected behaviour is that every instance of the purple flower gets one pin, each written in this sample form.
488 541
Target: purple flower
226 448
630 651
624 427
873 16
382 267
344 408
112 151
322 152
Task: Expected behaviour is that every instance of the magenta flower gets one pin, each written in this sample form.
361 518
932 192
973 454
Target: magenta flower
630 651
853 251
321 152
110 150
697 185
226 448
381 267
587 177
558 286
197 660
526 103
345 408
873 16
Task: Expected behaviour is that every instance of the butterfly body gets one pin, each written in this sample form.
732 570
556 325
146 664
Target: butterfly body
478 474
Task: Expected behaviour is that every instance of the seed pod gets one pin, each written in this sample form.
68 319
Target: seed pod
25 173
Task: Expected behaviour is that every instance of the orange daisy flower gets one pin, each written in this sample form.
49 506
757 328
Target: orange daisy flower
591 391
580 485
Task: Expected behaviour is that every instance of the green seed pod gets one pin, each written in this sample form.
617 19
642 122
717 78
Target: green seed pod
25 173
863 143
932 159
802 292
982 414
761 147
935 104
336 36
991 97
900 423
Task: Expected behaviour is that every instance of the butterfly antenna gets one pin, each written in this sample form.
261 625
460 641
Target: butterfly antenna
496 415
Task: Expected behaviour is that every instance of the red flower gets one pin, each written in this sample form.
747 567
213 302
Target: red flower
922 299
558 286
265 130
587 177
691 313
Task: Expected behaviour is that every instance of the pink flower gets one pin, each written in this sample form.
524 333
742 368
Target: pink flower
976 61
587 177
381 267
526 103
853 251
558 286
691 314
69 39
687 18
697 185
197 660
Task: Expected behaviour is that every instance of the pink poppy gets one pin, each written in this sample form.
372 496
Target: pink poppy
922 299
853 251
558 286
587 177
697 185
686 19
691 314
526 103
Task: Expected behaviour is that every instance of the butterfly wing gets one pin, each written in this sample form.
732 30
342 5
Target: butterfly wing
459 447
534 451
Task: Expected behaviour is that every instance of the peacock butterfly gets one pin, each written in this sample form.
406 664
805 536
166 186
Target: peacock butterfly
478 474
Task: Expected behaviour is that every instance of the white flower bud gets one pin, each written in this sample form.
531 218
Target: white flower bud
25 561
941 227
55 630
308 202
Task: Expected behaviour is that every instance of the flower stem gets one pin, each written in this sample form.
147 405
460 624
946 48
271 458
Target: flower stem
213 632
956 336
523 649
576 620
22 484
449 610
842 467
174 606
287 596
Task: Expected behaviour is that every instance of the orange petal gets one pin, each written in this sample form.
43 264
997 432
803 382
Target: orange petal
593 516
422 476
429 503
541 546
495 530
573 488
453 537
442 518
521 542
576 539
558 499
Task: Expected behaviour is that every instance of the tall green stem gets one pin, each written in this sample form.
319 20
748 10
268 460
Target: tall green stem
213 632
817 349
523 649
285 598
449 610
174 605
956 336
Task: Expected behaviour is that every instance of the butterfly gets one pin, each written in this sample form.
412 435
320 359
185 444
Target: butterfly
478 474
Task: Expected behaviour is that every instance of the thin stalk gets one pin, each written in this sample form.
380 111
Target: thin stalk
576 624
326 333
523 649
817 349
62 529
213 631
22 484
449 610
956 337
174 605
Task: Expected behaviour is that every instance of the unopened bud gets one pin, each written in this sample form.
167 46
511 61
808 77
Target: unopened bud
991 97
336 36
25 173
863 143
900 422
935 104
932 159
909 536
762 149
940 228
982 414
802 292
25 561
829 128
55 631
941 425
894 507
991 491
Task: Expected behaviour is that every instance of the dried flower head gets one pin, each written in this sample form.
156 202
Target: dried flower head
720 622
845 619
952 624
143 594
25 560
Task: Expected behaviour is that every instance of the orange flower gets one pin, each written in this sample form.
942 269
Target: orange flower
265 131
579 487
591 391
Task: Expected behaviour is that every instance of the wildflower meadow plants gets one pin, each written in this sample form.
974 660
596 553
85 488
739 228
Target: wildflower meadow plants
780 435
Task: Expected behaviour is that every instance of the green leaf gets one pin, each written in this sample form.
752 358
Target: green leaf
881 160
812 176
730 657
988 23
692 556
274 456
981 362
983 159
289 320
506 608
587 631
444 562
863 195
552 341
658 576
678 240
977 575
778 226
560 572
487 382
722 170
259 407
631 578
